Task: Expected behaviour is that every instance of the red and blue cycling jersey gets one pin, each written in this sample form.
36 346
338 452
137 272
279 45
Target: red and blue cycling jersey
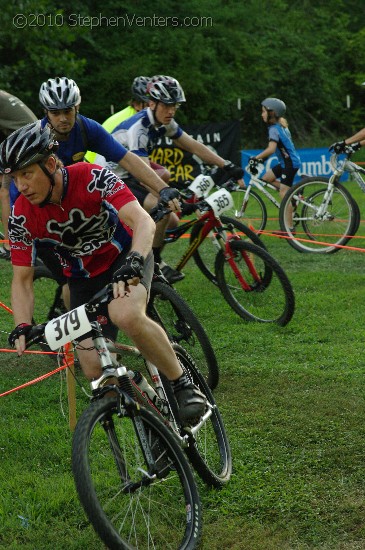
84 229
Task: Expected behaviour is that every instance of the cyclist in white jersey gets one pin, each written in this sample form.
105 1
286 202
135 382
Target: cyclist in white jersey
141 133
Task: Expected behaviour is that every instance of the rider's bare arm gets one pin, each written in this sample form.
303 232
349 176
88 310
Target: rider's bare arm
141 170
142 224
202 151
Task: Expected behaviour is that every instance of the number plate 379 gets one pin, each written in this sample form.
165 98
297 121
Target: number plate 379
67 327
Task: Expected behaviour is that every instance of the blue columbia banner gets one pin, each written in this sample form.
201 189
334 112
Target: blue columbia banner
315 162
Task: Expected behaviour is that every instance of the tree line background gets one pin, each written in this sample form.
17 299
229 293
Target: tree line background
310 53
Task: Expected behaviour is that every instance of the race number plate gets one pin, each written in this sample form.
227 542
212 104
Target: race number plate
201 185
220 201
67 327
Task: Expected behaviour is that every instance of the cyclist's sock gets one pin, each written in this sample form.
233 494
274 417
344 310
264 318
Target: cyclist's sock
181 382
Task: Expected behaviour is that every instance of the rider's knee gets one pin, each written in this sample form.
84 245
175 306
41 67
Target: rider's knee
128 320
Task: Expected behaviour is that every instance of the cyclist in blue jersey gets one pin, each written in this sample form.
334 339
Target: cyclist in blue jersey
60 97
141 132
280 143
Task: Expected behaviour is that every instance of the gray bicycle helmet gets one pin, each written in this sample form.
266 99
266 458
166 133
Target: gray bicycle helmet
139 88
274 104
59 93
165 89
27 145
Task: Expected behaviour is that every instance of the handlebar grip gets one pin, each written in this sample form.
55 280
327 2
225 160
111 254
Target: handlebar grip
188 208
35 336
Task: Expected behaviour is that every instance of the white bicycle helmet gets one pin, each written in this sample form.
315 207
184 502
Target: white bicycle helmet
165 89
59 93
27 145
139 88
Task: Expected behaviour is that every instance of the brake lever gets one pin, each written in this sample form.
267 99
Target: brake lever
104 296
159 211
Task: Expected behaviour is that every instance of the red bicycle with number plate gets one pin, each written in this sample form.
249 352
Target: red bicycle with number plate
249 278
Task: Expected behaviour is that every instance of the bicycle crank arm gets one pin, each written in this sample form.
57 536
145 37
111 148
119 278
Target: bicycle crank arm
192 430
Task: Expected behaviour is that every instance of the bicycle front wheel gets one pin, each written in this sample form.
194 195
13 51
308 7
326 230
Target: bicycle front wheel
181 325
321 225
208 449
254 284
204 256
127 507
253 213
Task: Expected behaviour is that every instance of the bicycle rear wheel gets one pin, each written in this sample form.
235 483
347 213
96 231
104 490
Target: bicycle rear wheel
319 231
253 213
170 310
208 449
128 508
204 256
268 296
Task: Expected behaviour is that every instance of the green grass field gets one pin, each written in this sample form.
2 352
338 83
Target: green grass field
293 403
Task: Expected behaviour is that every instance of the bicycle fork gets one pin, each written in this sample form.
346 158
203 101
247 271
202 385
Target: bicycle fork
192 430
239 213
230 255
319 212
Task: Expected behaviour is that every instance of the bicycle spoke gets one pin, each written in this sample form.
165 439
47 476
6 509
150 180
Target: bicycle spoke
126 504
322 217
255 285
253 213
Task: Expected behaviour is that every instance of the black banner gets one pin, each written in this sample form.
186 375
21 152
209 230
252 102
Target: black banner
222 137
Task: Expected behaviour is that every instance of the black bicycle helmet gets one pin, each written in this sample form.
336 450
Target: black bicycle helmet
275 105
27 145
139 88
59 93
165 89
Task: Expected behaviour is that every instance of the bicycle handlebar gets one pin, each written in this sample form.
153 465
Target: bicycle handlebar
187 207
230 185
104 296
161 210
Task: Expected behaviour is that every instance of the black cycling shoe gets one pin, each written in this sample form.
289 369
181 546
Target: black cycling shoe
171 275
4 253
192 404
